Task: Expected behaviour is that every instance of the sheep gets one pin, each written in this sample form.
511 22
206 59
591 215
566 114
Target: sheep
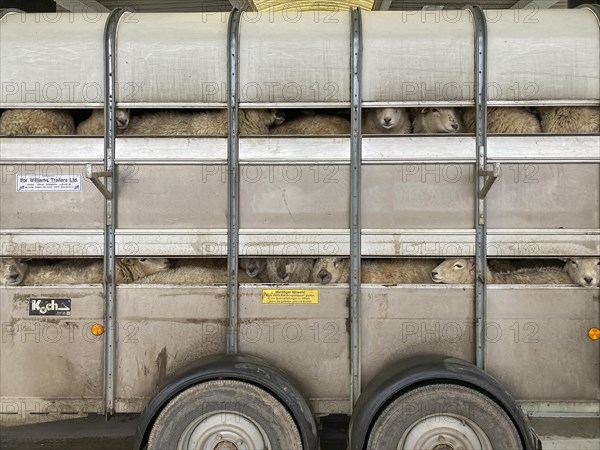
462 271
82 271
513 120
383 271
570 119
29 122
207 272
584 271
435 120
386 121
331 270
313 125
204 123
288 270
253 267
13 271
94 125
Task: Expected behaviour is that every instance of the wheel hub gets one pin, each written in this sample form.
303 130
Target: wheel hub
224 431
445 432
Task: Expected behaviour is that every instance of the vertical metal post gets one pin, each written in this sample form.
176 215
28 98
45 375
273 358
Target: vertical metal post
480 202
110 35
355 223
233 189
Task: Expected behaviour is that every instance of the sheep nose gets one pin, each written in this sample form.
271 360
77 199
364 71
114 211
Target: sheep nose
588 280
387 120
434 273
455 126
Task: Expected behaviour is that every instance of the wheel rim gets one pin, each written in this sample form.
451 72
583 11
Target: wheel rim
444 432
223 430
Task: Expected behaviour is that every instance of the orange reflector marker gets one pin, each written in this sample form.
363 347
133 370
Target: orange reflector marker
97 329
594 334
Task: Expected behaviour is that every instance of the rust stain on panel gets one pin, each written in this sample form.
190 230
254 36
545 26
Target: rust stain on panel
161 367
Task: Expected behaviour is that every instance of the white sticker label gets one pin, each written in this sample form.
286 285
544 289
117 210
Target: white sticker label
59 183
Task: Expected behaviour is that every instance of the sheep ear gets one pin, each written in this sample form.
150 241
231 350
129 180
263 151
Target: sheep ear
424 110
472 264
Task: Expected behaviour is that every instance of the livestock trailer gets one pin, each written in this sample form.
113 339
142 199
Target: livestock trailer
254 366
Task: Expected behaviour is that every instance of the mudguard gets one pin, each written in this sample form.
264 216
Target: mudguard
237 367
417 371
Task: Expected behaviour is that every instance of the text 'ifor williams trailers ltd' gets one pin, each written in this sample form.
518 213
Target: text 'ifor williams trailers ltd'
226 366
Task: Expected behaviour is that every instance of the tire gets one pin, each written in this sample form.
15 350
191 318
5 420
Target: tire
224 415
443 417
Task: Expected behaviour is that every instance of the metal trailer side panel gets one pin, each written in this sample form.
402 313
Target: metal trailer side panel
412 56
50 364
51 60
162 329
546 196
158 196
310 342
47 209
532 52
404 321
295 61
177 59
418 196
294 196
538 346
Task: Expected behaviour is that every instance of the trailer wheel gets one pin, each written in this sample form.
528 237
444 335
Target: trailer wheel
224 415
443 417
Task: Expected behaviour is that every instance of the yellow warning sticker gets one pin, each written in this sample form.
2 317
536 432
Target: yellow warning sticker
290 296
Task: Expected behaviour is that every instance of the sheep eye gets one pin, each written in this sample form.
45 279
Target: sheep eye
574 263
434 110
142 259
458 266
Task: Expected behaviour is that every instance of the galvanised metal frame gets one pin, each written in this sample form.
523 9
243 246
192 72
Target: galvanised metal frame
233 183
110 131
355 222
480 184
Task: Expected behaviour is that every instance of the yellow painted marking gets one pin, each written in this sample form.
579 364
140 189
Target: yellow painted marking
290 296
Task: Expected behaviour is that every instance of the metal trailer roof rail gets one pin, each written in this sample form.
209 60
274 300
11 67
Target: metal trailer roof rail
233 182
355 209
593 8
110 130
482 185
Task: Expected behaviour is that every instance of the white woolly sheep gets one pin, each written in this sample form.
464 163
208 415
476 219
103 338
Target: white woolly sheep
512 120
29 122
313 125
386 121
199 272
435 120
288 270
570 119
584 271
462 271
375 271
204 123
84 271
13 271
94 125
